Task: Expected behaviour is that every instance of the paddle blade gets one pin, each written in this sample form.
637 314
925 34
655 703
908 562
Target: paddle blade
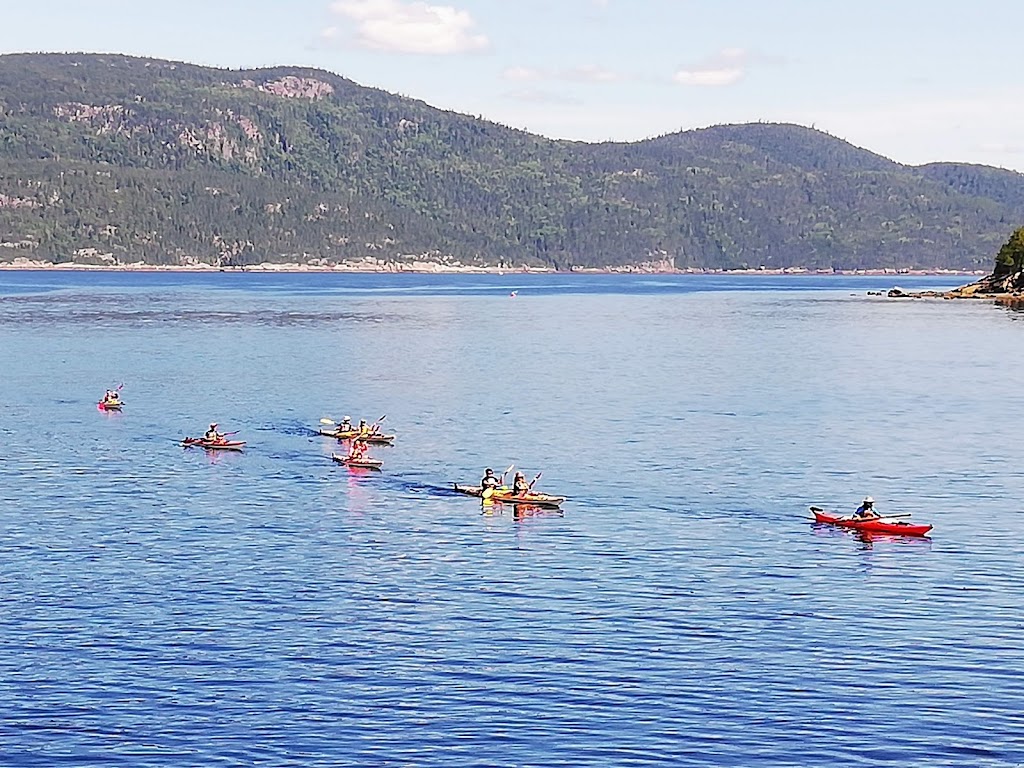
327 421
488 492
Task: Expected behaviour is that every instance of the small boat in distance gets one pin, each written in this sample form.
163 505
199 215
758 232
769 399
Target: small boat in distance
111 400
213 445
358 463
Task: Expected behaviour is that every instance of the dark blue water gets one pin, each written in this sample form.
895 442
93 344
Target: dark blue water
165 607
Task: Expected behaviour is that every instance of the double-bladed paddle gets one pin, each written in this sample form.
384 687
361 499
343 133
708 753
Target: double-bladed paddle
876 517
332 422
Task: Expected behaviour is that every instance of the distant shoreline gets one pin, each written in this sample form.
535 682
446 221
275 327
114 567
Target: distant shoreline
441 269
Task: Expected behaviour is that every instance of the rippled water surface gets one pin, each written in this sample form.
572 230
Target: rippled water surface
165 607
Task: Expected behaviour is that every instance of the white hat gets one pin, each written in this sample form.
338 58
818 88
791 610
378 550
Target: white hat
868 500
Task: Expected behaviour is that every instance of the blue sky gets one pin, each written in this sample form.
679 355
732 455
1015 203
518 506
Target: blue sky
916 81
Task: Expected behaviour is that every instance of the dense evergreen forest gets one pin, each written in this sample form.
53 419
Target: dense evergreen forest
116 159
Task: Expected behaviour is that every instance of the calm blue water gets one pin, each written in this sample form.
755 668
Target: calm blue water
164 607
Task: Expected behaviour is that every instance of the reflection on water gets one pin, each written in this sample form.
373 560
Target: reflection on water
869 538
117 310
162 606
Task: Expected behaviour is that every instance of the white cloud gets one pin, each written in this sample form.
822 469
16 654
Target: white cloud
410 27
726 67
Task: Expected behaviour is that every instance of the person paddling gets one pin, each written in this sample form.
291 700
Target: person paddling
346 424
364 428
519 486
866 508
489 480
111 397
212 435
358 450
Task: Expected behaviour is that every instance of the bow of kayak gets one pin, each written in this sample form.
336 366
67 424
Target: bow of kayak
364 463
529 499
872 525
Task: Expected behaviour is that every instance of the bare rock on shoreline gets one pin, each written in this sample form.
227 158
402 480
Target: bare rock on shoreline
1005 289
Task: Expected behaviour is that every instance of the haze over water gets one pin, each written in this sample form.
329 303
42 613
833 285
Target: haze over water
165 607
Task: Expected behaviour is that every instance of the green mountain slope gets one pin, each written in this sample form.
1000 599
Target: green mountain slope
106 157
996 184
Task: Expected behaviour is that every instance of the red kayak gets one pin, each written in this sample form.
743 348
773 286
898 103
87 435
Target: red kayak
872 525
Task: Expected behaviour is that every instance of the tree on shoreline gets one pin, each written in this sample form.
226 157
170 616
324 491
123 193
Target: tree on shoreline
1010 258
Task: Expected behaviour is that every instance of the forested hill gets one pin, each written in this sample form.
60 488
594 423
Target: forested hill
111 158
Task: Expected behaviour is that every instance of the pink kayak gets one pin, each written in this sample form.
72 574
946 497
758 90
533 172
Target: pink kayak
364 463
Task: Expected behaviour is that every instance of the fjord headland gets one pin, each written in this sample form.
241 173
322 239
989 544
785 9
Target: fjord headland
114 160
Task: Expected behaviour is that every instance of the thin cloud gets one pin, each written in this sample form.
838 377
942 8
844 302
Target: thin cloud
522 74
726 67
586 73
540 96
1001 148
402 26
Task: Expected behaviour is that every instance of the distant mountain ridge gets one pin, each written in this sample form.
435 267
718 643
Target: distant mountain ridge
115 159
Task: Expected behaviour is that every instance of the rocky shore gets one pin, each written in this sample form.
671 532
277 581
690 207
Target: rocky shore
376 266
1004 290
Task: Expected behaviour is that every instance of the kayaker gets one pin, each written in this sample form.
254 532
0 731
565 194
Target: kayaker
490 480
346 424
364 428
212 435
358 450
519 485
866 508
111 397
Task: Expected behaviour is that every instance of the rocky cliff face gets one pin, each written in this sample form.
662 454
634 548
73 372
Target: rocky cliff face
998 283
